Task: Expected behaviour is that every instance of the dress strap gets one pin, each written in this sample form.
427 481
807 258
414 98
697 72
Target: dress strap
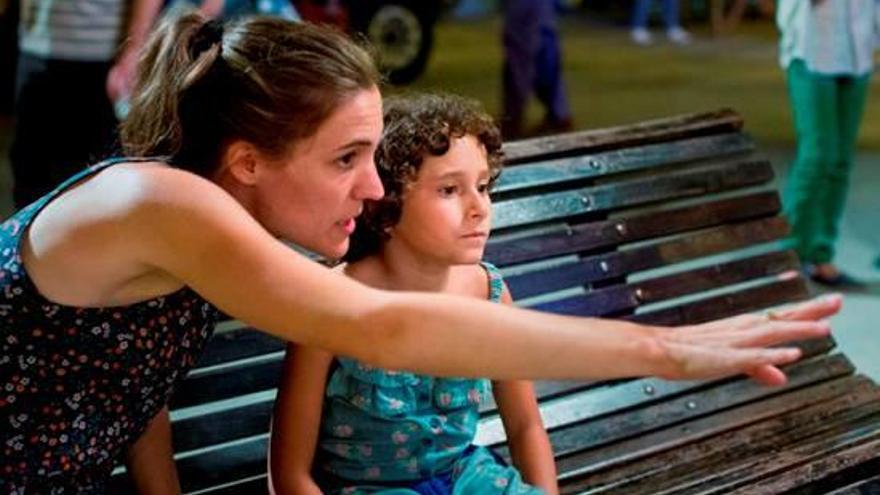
496 281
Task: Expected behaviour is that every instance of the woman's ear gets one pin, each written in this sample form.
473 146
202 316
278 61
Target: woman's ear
242 161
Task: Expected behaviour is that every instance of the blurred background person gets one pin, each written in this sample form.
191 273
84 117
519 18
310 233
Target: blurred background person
75 59
532 63
826 50
642 10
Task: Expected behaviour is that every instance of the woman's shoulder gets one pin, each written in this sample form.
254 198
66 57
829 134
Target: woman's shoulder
151 181
151 194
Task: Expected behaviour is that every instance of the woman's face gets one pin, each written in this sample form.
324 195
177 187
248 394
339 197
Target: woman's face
313 196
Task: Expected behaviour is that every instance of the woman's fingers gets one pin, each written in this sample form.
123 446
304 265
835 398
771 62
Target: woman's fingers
815 309
780 332
768 375
696 362
765 334
773 333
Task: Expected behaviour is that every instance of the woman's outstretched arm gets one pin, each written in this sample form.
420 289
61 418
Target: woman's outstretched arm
189 228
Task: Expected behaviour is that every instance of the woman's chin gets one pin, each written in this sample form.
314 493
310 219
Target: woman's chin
336 251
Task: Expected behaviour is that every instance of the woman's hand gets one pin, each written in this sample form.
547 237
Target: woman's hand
737 344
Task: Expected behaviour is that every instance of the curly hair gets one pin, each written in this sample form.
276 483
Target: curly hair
416 127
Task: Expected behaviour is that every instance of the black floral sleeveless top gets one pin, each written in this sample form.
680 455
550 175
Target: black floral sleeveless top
79 385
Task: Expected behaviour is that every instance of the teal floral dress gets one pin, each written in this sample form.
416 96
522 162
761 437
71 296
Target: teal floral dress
407 434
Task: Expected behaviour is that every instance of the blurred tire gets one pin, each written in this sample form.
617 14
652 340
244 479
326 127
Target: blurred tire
402 31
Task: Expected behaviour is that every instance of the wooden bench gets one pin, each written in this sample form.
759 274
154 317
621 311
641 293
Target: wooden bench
669 222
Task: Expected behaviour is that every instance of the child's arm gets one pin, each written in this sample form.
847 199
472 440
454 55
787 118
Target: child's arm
529 445
297 419
527 438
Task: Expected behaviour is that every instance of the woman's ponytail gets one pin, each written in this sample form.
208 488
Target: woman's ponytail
180 53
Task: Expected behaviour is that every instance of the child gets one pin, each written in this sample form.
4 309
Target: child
399 432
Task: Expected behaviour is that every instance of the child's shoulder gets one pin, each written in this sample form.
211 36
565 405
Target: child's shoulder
482 280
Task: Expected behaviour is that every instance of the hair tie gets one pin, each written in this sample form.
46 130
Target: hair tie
208 35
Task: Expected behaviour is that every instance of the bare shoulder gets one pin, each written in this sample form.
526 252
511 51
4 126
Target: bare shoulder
156 182
367 271
117 190
129 199
149 196
471 280
89 244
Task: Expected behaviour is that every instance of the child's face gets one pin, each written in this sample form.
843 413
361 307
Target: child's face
446 213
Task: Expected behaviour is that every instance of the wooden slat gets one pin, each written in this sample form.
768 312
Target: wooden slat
712 308
614 162
651 131
225 426
613 300
627 261
869 486
575 468
603 234
854 431
238 344
848 446
255 375
701 465
225 464
635 192
251 486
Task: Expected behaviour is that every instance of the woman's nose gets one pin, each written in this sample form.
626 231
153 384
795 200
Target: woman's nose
369 185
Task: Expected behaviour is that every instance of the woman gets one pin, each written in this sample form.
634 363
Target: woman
265 130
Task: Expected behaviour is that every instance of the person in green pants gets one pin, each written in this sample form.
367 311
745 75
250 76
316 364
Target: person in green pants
826 50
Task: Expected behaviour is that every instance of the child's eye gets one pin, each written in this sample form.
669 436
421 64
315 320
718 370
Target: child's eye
346 161
448 190
484 188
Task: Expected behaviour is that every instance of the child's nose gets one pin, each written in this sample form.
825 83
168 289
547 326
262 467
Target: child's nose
480 205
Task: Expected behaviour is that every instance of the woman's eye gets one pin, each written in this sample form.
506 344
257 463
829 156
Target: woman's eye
346 161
